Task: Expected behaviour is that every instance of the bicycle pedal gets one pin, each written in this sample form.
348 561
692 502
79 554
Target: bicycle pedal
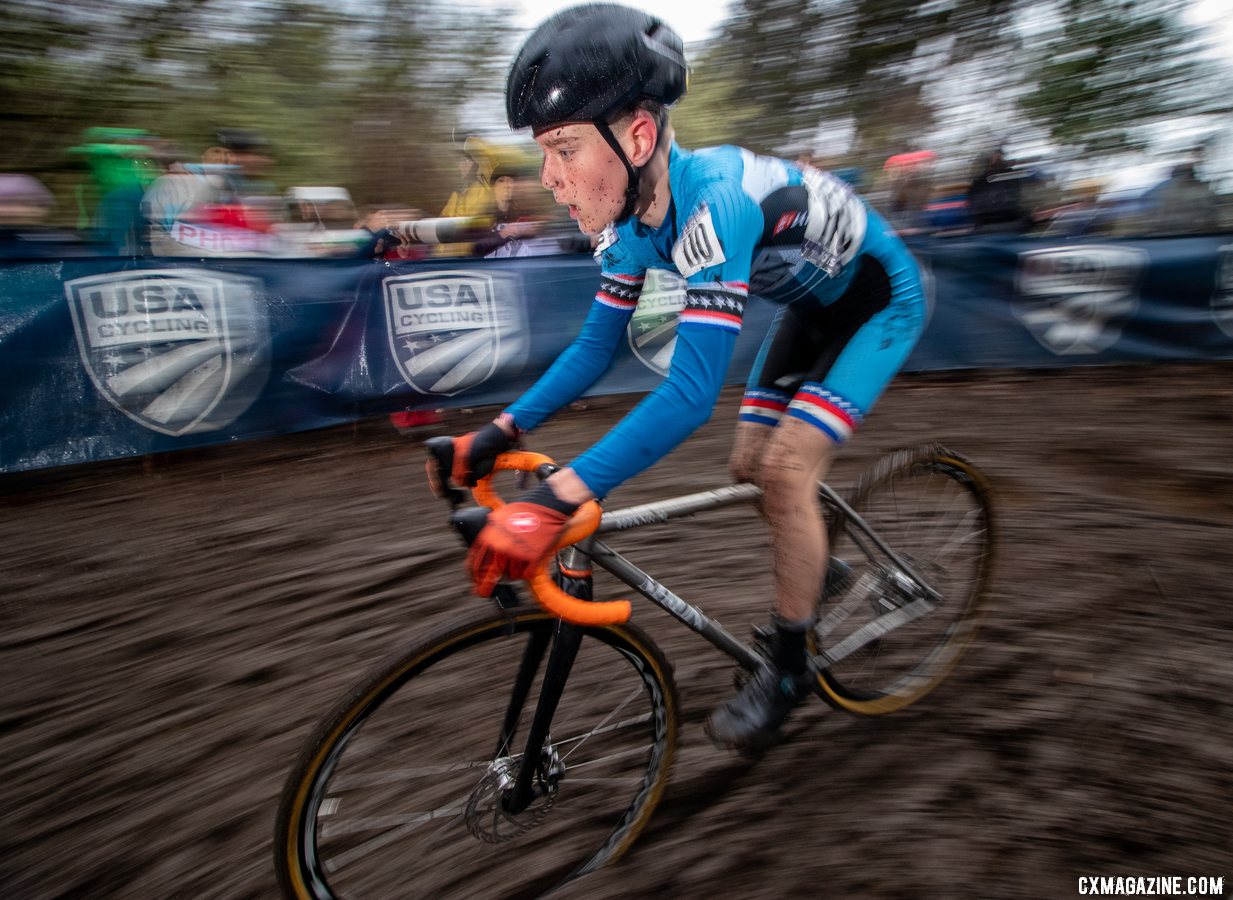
763 635
763 644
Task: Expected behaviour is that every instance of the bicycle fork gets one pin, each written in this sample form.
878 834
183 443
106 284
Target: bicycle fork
560 660
565 640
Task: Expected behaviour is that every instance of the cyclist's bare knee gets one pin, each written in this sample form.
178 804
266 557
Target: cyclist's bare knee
796 457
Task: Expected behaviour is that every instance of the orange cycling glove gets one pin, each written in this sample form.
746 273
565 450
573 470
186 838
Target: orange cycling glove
518 539
474 456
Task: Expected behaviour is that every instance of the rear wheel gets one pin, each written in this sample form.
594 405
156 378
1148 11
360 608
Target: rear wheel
890 642
400 790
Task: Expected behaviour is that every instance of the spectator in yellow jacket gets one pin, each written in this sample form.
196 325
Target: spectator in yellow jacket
474 195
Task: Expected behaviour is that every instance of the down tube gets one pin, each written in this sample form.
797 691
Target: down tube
690 615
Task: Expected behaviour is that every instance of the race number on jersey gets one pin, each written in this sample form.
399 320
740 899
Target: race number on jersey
698 247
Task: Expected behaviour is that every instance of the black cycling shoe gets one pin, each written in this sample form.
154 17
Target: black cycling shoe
751 720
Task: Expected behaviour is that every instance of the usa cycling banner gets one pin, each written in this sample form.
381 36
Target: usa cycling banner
102 358
1016 302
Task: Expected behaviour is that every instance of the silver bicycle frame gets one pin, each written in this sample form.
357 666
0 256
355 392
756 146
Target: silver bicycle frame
691 616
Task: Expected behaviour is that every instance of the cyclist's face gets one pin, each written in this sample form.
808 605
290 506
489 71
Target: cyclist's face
584 174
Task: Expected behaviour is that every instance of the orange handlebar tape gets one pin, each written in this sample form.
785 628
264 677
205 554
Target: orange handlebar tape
581 525
571 609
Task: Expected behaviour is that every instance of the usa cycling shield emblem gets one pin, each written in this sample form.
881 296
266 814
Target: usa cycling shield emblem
1222 296
1074 300
180 351
450 332
652 327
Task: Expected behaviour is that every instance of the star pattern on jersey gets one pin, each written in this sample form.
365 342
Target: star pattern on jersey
715 300
620 291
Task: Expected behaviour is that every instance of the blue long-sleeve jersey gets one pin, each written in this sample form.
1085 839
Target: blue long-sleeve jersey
730 211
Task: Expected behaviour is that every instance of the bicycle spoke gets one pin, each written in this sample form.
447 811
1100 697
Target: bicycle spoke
401 798
392 776
599 729
372 823
338 862
897 622
632 751
857 595
616 779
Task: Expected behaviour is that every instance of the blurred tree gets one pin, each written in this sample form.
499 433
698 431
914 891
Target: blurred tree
367 95
1090 73
421 62
795 64
715 110
362 95
768 55
1108 67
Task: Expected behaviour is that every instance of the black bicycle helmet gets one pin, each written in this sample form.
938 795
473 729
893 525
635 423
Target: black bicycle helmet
590 63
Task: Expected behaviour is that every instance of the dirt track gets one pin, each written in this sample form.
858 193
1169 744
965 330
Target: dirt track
172 629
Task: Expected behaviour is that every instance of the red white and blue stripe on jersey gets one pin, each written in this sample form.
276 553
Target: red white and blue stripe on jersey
763 407
716 303
834 415
619 291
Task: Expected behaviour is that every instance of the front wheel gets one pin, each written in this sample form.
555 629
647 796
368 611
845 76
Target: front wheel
403 789
889 642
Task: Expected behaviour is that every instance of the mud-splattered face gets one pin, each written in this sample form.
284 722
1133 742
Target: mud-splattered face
584 174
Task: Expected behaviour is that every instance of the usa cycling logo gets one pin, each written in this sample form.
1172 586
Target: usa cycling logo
180 351
652 327
1222 297
450 332
1074 299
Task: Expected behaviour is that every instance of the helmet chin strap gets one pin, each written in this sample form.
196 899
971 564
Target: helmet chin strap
631 191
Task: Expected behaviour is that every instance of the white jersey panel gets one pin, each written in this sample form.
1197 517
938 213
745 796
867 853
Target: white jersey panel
763 175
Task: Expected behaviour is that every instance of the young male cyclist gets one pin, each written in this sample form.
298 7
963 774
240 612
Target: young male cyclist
594 83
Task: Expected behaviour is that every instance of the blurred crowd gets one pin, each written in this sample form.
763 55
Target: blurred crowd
1001 194
143 196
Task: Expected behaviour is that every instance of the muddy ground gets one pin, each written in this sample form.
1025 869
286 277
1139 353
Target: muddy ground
173 627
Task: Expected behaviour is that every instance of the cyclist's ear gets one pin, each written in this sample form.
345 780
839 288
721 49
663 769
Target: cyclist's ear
642 138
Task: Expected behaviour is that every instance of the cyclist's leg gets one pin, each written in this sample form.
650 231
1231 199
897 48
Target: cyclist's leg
869 332
824 413
763 403
783 455
788 350
798 455
854 346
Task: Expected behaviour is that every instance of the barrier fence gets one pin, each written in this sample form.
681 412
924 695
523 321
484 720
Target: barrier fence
102 358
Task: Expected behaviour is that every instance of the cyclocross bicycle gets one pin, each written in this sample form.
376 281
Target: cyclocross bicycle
523 746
